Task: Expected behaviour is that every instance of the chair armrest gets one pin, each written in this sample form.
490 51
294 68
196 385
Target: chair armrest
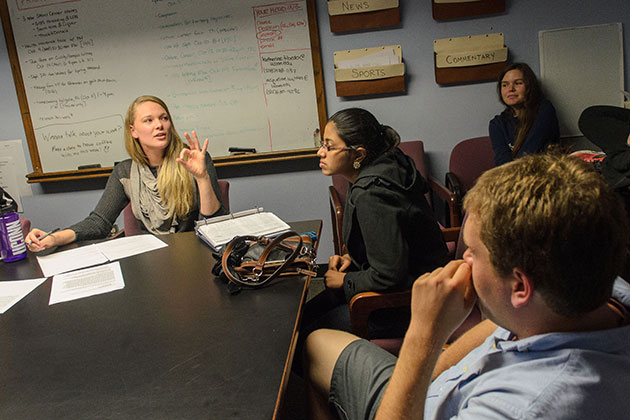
450 198
451 234
363 304
453 184
336 214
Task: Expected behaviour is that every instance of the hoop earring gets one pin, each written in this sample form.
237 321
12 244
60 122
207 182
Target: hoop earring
356 164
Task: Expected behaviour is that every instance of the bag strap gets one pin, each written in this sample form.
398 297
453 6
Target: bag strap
260 264
228 251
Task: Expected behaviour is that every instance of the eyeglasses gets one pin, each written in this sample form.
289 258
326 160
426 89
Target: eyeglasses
332 148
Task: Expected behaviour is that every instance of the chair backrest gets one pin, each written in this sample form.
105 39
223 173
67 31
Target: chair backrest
415 150
469 159
131 223
132 227
342 185
26 225
224 186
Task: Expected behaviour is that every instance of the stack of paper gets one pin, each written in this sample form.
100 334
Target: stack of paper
383 57
218 231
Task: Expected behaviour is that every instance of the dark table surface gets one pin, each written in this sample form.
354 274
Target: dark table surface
173 344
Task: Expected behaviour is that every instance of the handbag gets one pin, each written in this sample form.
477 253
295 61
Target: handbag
254 261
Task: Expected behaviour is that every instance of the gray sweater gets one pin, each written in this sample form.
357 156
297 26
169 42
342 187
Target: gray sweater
114 199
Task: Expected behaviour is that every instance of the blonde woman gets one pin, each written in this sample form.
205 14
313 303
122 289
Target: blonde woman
169 184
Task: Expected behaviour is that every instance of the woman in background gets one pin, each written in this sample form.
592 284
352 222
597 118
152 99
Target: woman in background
389 230
529 123
169 185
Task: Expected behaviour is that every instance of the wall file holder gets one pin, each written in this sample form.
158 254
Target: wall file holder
469 59
355 15
371 79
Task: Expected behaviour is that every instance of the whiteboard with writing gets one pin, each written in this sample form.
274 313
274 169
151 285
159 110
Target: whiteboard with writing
239 72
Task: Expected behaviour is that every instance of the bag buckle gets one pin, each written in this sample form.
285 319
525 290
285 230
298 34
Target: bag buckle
257 272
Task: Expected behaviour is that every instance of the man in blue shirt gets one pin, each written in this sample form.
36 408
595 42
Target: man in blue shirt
546 239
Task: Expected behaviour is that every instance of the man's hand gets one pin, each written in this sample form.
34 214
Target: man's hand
442 299
439 303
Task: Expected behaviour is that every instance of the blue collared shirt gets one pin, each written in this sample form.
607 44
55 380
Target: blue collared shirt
583 375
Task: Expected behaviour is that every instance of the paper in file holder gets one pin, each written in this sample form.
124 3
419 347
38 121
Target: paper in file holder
469 59
369 71
218 231
354 15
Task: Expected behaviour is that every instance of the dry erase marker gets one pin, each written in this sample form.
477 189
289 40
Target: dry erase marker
44 235
240 150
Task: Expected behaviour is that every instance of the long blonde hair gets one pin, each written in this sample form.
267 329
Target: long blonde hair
175 184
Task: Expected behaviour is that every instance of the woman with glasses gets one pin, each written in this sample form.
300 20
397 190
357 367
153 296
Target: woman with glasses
389 230
528 123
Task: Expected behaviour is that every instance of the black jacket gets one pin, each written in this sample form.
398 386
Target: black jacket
388 227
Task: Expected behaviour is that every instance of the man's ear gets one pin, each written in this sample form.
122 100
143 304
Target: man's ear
522 288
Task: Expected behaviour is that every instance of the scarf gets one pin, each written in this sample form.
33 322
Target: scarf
146 203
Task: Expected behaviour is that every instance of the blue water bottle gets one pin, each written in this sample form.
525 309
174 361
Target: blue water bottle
12 245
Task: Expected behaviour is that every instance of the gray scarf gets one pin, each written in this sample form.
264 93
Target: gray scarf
146 203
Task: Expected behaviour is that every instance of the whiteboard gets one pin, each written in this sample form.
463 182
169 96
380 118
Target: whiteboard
237 72
581 67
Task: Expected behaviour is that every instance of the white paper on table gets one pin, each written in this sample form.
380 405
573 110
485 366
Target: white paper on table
116 249
379 58
73 259
87 282
11 292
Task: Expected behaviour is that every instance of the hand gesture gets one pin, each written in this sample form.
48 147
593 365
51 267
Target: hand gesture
442 299
194 159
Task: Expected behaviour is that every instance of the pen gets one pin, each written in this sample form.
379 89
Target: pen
44 235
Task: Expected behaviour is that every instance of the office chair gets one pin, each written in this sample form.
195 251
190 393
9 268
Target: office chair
469 159
131 223
415 150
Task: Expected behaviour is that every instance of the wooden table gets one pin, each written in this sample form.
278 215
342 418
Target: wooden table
172 344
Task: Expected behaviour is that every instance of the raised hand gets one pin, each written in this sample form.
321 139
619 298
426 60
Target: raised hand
194 159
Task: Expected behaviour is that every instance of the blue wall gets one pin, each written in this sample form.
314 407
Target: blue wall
440 116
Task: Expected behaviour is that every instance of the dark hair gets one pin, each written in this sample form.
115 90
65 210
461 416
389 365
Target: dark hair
359 128
554 217
533 96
